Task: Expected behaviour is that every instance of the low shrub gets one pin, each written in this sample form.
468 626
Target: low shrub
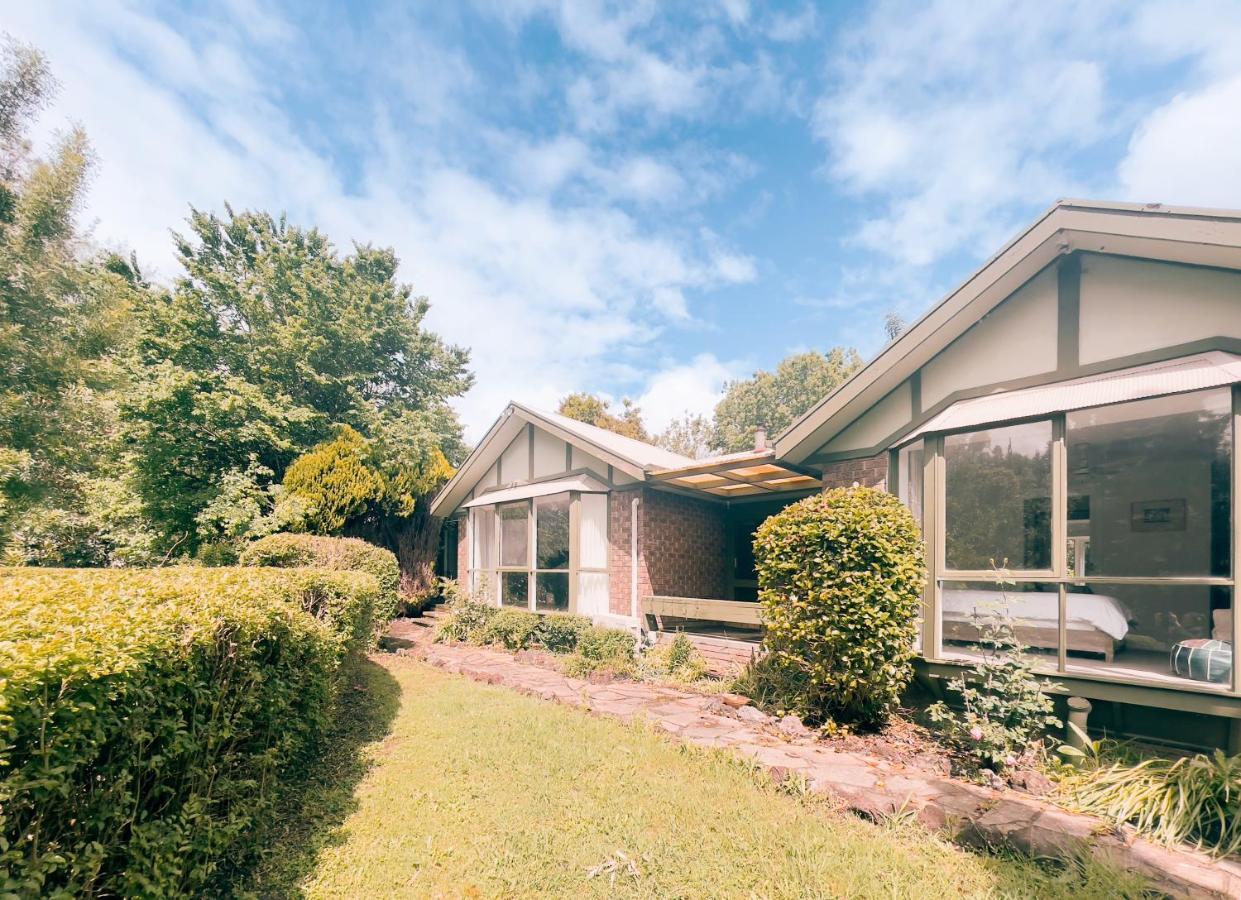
145 716
840 579
467 617
778 689
675 660
1194 800
286 550
1005 707
608 650
560 634
512 629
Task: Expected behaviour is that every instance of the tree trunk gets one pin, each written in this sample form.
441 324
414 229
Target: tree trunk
413 539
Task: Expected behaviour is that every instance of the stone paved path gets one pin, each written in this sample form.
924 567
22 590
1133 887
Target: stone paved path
871 787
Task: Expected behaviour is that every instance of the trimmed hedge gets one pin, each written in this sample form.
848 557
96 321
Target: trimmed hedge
145 717
840 577
285 550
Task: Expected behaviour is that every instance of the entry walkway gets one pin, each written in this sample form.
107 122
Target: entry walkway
871 787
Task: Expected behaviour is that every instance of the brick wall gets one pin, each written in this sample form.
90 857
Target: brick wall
619 572
682 547
686 546
869 472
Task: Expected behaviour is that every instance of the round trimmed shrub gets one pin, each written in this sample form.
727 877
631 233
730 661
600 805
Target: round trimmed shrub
840 578
286 550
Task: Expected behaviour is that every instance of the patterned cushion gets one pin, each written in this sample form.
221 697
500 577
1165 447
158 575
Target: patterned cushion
1203 659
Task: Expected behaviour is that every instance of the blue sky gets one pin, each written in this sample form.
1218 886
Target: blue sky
650 198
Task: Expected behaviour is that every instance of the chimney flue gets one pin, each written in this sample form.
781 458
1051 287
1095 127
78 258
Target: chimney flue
760 437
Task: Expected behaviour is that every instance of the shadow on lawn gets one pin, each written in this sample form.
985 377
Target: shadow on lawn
309 814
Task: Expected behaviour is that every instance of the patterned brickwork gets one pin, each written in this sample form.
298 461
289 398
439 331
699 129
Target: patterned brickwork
686 546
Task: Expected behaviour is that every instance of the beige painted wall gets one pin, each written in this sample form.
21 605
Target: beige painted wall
549 454
1016 340
515 460
879 423
1131 306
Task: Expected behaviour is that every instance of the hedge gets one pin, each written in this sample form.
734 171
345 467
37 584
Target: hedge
840 578
145 716
286 550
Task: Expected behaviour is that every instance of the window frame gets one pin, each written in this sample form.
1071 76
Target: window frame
935 536
573 569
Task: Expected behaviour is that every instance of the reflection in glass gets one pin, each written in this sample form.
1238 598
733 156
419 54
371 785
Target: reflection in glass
1146 631
998 497
515 589
974 611
551 591
551 518
1149 486
909 478
514 535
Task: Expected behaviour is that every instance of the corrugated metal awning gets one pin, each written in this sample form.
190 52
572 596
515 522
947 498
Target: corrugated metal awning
1189 373
583 483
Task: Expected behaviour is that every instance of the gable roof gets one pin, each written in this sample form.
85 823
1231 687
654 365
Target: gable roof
630 456
1195 236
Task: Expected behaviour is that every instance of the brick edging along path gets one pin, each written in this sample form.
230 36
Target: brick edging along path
874 788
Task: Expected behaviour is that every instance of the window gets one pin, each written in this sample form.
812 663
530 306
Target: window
1116 527
909 463
521 553
1150 496
998 498
551 581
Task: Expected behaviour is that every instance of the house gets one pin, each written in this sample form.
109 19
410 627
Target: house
1069 414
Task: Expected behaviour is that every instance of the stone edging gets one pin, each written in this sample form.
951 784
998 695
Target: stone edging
969 814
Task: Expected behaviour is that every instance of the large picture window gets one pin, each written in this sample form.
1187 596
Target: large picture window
522 553
1113 526
998 498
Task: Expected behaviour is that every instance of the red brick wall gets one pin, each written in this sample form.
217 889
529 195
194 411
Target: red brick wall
686 546
619 571
682 547
869 472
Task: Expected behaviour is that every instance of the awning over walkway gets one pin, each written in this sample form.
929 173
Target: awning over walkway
740 475
583 483
1190 373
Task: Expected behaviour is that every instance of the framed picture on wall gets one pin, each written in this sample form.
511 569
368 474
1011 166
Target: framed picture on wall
1157 515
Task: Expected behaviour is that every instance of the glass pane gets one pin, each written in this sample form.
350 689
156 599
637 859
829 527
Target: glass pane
484 537
594 531
1149 490
909 478
551 591
998 498
551 522
515 535
976 614
1172 633
515 589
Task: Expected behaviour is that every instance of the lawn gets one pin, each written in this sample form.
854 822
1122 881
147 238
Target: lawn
439 786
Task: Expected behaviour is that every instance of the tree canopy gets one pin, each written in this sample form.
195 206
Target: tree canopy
141 422
596 411
776 399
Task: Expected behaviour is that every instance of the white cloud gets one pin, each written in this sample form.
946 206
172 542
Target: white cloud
693 387
1188 152
551 294
950 120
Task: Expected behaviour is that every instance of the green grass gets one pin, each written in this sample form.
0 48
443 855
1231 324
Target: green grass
476 791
